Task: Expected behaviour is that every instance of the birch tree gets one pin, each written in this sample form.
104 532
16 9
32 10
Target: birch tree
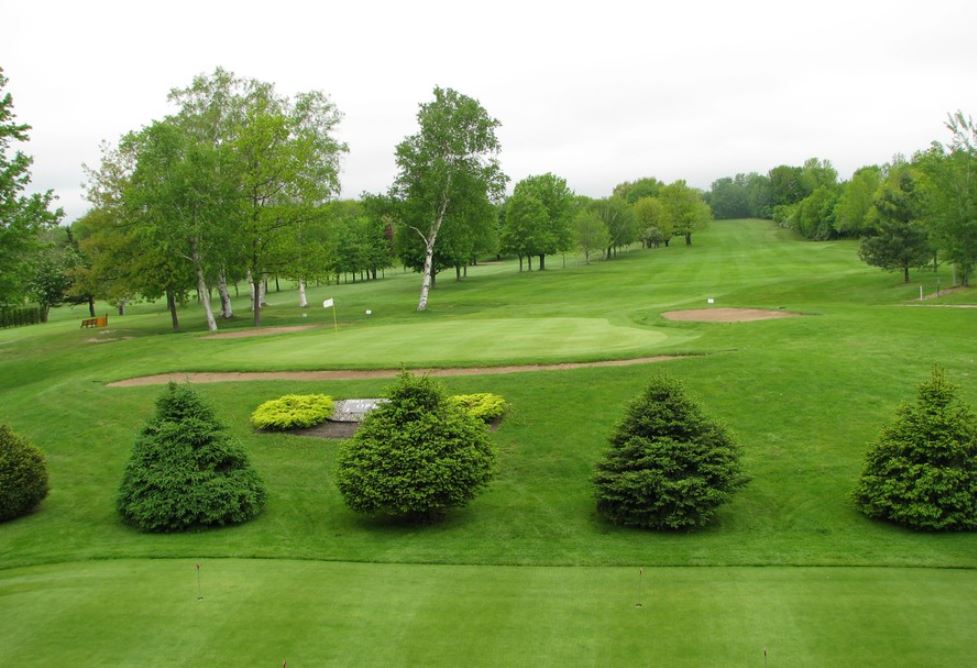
450 160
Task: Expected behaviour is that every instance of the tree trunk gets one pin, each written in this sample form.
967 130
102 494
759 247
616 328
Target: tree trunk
171 305
464 271
251 285
303 302
457 272
203 292
542 262
277 287
667 241
121 306
91 306
688 238
905 274
520 264
427 280
529 262
227 311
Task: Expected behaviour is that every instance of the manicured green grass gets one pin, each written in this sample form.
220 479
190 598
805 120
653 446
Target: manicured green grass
257 613
804 396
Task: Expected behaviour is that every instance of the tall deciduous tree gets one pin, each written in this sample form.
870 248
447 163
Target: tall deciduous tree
590 232
686 210
618 218
902 242
851 211
557 199
181 200
21 216
525 232
950 194
451 159
287 164
652 221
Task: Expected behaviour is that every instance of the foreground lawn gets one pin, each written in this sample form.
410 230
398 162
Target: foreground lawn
255 613
527 571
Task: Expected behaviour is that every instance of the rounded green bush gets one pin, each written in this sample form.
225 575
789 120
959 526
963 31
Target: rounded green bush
186 472
415 456
292 411
922 472
23 475
668 466
484 406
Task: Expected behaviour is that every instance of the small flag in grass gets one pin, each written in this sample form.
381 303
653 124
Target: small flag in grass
327 303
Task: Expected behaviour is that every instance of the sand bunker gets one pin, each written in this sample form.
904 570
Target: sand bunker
239 376
727 315
257 331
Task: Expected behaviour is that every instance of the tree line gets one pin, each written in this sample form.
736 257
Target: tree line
241 183
908 213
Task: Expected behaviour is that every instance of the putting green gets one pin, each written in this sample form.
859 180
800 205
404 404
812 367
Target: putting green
257 612
464 341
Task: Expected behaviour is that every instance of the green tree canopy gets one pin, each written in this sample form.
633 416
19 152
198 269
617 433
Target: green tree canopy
450 161
590 232
685 209
558 200
22 216
901 241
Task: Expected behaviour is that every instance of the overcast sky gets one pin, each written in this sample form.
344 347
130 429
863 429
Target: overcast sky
597 92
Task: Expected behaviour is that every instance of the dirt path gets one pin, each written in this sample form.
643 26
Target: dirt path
243 376
727 315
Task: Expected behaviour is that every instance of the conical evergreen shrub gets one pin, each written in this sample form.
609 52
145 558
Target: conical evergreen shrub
668 466
185 472
415 456
23 475
922 472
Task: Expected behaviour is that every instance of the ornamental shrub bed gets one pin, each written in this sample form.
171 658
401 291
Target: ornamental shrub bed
292 411
484 406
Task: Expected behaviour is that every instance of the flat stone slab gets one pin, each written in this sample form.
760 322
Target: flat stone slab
353 410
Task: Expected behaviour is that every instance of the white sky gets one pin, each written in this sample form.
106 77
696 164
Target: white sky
597 92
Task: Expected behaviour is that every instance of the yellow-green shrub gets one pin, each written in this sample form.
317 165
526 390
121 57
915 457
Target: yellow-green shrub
292 411
484 405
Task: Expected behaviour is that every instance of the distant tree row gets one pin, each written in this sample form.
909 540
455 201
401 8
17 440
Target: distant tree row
908 213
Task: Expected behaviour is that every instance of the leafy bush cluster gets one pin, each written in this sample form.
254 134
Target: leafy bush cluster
293 411
23 475
415 456
922 472
484 406
668 467
185 471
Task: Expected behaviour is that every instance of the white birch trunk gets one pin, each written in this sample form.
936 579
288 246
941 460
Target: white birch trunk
226 310
429 250
203 291
303 302
250 279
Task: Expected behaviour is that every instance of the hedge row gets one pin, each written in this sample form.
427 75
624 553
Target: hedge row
15 316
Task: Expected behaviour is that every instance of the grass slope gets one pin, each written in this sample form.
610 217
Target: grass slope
804 395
